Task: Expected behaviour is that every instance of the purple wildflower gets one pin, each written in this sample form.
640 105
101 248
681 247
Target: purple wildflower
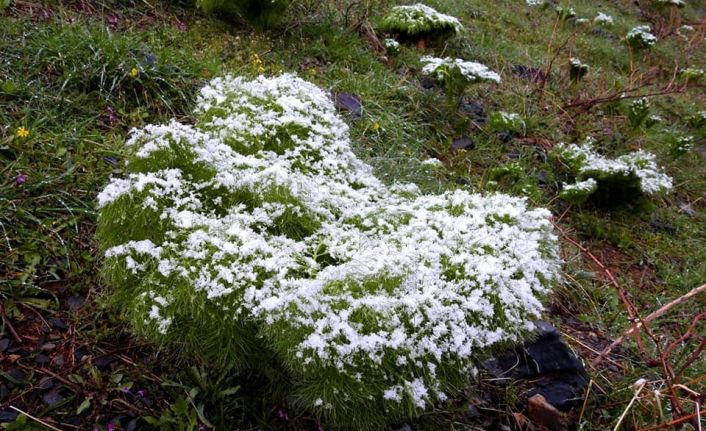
21 179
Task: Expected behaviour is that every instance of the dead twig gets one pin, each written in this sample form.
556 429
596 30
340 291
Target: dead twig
657 313
8 324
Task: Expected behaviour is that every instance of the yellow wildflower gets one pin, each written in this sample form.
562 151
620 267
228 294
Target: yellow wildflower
376 126
134 72
22 132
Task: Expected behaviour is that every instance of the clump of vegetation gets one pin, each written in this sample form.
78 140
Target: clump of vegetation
256 239
682 145
565 13
693 73
638 112
263 13
603 20
419 22
577 69
641 37
507 122
392 46
697 120
456 74
624 178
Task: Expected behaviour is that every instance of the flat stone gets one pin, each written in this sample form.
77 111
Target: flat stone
529 73
53 397
663 226
8 415
4 344
464 143
57 323
349 103
75 302
546 365
48 347
42 359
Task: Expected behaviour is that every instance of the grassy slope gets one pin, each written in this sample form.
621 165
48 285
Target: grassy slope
67 79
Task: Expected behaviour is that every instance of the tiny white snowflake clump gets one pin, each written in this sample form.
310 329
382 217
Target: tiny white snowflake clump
391 45
637 170
444 68
533 3
603 19
257 233
419 19
641 37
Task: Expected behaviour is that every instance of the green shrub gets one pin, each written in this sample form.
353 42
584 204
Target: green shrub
624 178
641 37
638 111
257 240
577 69
419 21
456 74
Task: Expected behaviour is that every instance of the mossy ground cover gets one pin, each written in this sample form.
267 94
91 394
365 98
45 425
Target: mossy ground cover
78 76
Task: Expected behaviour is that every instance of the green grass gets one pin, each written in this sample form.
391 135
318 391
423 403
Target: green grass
67 79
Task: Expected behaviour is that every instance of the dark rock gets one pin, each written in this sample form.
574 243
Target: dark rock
541 178
4 392
58 362
546 365
73 420
8 415
46 383
53 397
403 427
472 412
48 347
602 33
15 376
131 426
663 226
464 143
426 83
529 73
57 323
103 361
348 103
4 344
80 353
17 350
462 181
42 359
514 154
75 302
473 109
505 137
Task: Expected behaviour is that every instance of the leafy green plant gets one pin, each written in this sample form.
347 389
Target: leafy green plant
640 37
456 75
637 112
577 69
257 241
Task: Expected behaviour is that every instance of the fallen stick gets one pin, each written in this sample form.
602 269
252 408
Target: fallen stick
655 314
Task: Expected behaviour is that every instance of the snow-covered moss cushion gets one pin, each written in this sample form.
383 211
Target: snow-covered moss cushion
255 238
418 20
636 173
